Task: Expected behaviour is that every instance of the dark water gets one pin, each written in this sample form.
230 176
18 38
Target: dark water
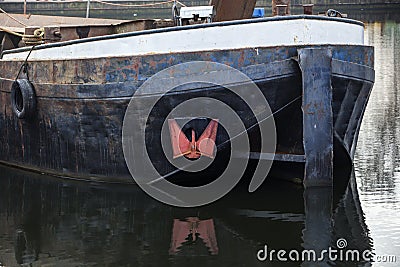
377 161
48 222
53 223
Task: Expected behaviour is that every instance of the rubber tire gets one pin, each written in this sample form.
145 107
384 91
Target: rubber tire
23 98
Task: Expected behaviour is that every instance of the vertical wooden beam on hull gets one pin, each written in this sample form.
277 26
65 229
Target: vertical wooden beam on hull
316 68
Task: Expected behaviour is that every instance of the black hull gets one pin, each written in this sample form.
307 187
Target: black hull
76 130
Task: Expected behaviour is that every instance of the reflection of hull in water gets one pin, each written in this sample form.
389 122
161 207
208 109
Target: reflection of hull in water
305 217
81 102
78 223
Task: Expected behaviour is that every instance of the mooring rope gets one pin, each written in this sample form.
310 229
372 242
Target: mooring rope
13 18
34 39
24 66
37 37
11 32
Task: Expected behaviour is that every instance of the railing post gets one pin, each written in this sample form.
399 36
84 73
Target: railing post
279 3
87 8
308 9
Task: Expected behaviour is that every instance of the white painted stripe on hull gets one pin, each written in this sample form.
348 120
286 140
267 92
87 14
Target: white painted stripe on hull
249 35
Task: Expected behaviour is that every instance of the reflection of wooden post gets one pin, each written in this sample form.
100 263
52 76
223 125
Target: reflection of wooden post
24 7
280 2
317 231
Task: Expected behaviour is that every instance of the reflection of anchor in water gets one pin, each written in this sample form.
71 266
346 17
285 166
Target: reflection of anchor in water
191 229
26 252
193 149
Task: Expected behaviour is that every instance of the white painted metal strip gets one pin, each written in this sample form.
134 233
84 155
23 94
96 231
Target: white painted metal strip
250 35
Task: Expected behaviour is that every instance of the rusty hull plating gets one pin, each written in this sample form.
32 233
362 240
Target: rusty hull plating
77 128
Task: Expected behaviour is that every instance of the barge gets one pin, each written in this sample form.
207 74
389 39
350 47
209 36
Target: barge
98 108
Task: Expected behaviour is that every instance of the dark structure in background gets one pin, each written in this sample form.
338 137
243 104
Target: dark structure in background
99 10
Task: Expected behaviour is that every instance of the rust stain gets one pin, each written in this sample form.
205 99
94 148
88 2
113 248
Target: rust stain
22 138
241 59
320 110
152 63
307 109
135 67
76 70
54 73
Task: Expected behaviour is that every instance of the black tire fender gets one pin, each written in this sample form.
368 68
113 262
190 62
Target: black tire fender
23 98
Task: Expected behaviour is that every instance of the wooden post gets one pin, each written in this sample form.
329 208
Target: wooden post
275 3
316 68
233 9
308 9
87 8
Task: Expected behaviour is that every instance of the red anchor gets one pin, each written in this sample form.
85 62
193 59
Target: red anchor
193 149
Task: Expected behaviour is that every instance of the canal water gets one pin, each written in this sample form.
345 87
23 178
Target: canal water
50 222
